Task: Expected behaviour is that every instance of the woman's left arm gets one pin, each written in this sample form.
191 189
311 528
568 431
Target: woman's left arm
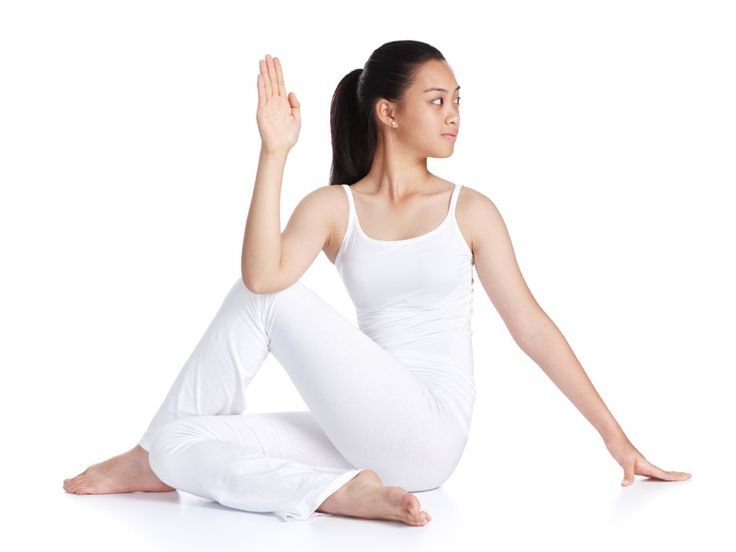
538 336
551 351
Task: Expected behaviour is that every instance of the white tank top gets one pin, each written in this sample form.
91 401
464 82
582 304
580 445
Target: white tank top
414 297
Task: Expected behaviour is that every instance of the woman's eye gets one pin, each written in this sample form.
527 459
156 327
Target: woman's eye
458 100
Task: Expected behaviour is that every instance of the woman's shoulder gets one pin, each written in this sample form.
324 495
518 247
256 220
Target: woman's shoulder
333 198
475 214
473 199
329 192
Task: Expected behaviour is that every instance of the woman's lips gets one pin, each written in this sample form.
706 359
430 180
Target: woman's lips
450 136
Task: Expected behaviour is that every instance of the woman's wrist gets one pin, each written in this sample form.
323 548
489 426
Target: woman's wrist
613 433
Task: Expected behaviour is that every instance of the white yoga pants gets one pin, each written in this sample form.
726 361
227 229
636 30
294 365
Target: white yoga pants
367 410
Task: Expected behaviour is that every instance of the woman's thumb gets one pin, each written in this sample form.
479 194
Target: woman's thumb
293 101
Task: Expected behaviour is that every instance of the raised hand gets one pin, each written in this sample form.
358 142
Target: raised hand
278 115
633 462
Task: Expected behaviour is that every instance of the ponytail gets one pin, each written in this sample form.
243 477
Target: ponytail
353 131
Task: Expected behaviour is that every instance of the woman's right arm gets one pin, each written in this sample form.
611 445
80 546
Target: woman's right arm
309 231
272 261
262 238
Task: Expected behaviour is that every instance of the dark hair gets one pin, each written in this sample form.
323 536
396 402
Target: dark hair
387 74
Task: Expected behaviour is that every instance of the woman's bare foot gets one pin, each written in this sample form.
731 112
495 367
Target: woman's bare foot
364 496
125 473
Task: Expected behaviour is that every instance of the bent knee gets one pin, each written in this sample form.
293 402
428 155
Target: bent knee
414 468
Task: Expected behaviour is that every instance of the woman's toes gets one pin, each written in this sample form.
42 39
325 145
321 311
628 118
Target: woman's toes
73 485
414 514
412 504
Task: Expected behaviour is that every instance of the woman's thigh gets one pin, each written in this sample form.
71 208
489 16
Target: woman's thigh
364 398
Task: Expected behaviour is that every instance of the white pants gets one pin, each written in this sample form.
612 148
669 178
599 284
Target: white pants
367 410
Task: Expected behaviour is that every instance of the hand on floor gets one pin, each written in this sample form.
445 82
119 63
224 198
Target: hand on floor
633 462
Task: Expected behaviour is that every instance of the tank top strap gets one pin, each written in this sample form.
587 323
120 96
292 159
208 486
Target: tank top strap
352 214
453 200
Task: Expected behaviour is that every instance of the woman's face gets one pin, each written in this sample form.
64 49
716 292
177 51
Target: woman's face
430 110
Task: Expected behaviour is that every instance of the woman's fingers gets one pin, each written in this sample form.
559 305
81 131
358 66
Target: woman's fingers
275 83
279 76
266 79
644 467
649 469
271 79
272 76
261 91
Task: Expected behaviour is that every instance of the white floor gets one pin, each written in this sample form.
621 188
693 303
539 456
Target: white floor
569 500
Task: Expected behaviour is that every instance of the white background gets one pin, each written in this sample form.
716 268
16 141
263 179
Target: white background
604 133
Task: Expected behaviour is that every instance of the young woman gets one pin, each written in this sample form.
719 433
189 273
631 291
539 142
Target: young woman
390 402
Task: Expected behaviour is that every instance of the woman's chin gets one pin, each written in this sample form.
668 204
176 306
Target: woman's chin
443 154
